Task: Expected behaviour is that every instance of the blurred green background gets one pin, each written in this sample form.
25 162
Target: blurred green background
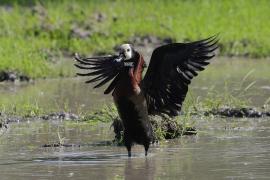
38 37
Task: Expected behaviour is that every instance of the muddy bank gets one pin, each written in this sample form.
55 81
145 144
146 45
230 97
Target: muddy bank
170 125
13 76
249 112
164 127
109 116
52 116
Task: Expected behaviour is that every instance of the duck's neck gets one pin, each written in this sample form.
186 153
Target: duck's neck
135 72
129 84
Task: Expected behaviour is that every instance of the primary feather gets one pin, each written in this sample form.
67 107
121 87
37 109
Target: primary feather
171 70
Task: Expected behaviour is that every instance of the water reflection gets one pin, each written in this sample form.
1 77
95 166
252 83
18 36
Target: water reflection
69 94
143 168
221 150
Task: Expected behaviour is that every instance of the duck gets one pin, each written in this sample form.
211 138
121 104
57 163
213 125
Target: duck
162 89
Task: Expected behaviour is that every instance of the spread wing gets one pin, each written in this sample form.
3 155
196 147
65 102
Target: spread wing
101 69
170 72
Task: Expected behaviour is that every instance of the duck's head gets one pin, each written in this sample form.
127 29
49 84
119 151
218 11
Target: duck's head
126 51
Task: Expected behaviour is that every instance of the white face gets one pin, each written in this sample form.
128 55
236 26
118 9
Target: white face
127 50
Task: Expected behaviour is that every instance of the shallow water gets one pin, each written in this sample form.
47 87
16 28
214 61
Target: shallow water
223 149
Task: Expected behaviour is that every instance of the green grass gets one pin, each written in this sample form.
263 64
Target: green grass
36 35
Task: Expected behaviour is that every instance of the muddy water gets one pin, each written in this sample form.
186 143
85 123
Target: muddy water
223 149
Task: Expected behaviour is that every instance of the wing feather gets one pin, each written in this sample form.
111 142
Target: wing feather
171 69
102 70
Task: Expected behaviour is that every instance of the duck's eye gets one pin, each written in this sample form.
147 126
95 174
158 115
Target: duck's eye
128 50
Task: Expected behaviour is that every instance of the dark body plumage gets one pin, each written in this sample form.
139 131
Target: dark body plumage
137 127
162 90
132 106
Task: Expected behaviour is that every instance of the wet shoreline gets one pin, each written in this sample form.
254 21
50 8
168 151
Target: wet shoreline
244 112
170 128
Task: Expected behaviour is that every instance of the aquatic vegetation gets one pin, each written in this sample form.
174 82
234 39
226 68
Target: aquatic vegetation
106 114
25 109
164 127
236 95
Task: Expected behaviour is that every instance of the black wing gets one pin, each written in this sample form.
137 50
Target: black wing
170 72
102 69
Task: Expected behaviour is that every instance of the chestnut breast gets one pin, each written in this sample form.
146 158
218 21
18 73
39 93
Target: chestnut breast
129 82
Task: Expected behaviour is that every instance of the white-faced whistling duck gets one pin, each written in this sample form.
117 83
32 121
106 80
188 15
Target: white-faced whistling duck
162 90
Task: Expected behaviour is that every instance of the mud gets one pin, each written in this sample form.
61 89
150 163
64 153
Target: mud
249 112
60 116
60 145
6 119
13 76
164 127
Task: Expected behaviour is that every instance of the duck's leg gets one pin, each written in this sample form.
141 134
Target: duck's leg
128 149
128 144
146 147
